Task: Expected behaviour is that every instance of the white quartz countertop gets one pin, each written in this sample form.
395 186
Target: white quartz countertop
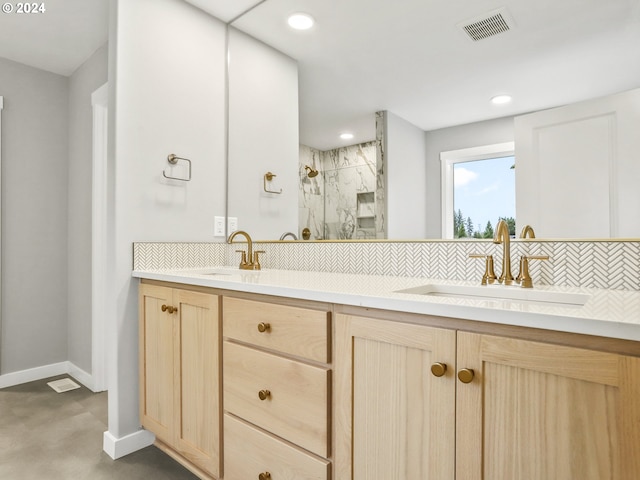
608 313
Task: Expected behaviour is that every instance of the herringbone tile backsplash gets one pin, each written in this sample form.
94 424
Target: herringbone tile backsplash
153 256
600 264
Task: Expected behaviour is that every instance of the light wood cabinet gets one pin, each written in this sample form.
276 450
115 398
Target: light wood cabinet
179 373
394 418
249 451
536 411
284 396
370 394
276 391
286 329
532 411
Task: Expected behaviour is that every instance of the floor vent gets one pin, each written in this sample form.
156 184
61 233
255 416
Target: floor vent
487 25
63 385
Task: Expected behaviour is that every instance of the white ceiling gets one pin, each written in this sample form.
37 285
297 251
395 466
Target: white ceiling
225 10
409 57
58 40
405 56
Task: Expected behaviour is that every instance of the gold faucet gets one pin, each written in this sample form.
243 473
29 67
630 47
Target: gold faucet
527 231
502 236
249 259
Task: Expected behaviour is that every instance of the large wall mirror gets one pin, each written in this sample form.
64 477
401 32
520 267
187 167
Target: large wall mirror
407 81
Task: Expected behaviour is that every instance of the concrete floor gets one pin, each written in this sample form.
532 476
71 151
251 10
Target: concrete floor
49 435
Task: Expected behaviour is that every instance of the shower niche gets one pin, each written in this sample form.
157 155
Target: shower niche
366 215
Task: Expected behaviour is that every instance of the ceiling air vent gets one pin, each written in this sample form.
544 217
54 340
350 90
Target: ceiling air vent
487 25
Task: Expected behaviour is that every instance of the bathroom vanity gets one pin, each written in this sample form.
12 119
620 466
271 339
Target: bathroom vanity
290 375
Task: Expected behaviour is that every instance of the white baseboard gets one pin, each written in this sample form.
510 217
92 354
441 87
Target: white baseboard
32 374
83 377
46 371
119 447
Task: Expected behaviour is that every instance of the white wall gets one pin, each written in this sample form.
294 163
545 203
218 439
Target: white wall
263 137
406 179
34 217
454 138
87 78
166 95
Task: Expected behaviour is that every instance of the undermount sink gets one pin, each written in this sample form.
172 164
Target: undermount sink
499 292
222 271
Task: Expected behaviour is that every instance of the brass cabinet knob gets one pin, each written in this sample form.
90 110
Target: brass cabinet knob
264 327
438 369
264 476
169 308
465 375
264 394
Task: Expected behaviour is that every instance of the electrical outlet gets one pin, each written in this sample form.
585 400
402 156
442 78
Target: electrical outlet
232 224
218 227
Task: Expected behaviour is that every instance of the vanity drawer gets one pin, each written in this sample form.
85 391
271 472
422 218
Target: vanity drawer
297 331
296 405
248 452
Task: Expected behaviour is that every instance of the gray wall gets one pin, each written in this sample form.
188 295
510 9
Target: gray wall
406 179
166 95
34 217
263 137
463 136
84 81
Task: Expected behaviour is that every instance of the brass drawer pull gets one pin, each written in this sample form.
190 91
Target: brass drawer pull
264 394
169 308
264 327
466 375
438 369
264 476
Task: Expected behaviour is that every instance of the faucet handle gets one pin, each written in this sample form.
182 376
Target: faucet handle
523 277
256 261
489 274
244 257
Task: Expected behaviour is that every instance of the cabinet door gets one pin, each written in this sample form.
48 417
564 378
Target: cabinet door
535 411
156 361
197 373
394 419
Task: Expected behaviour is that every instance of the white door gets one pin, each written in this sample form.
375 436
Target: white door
577 171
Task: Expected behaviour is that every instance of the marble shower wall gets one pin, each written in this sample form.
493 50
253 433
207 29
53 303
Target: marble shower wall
310 194
381 180
340 202
350 186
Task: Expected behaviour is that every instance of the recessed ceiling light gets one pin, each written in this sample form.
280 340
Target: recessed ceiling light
501 99
300 21
346 136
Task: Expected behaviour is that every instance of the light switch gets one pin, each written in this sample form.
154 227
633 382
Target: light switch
218 227
232 224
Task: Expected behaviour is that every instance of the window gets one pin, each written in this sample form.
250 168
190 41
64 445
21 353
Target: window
478 188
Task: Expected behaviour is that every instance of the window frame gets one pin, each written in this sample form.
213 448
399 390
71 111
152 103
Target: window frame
448 159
